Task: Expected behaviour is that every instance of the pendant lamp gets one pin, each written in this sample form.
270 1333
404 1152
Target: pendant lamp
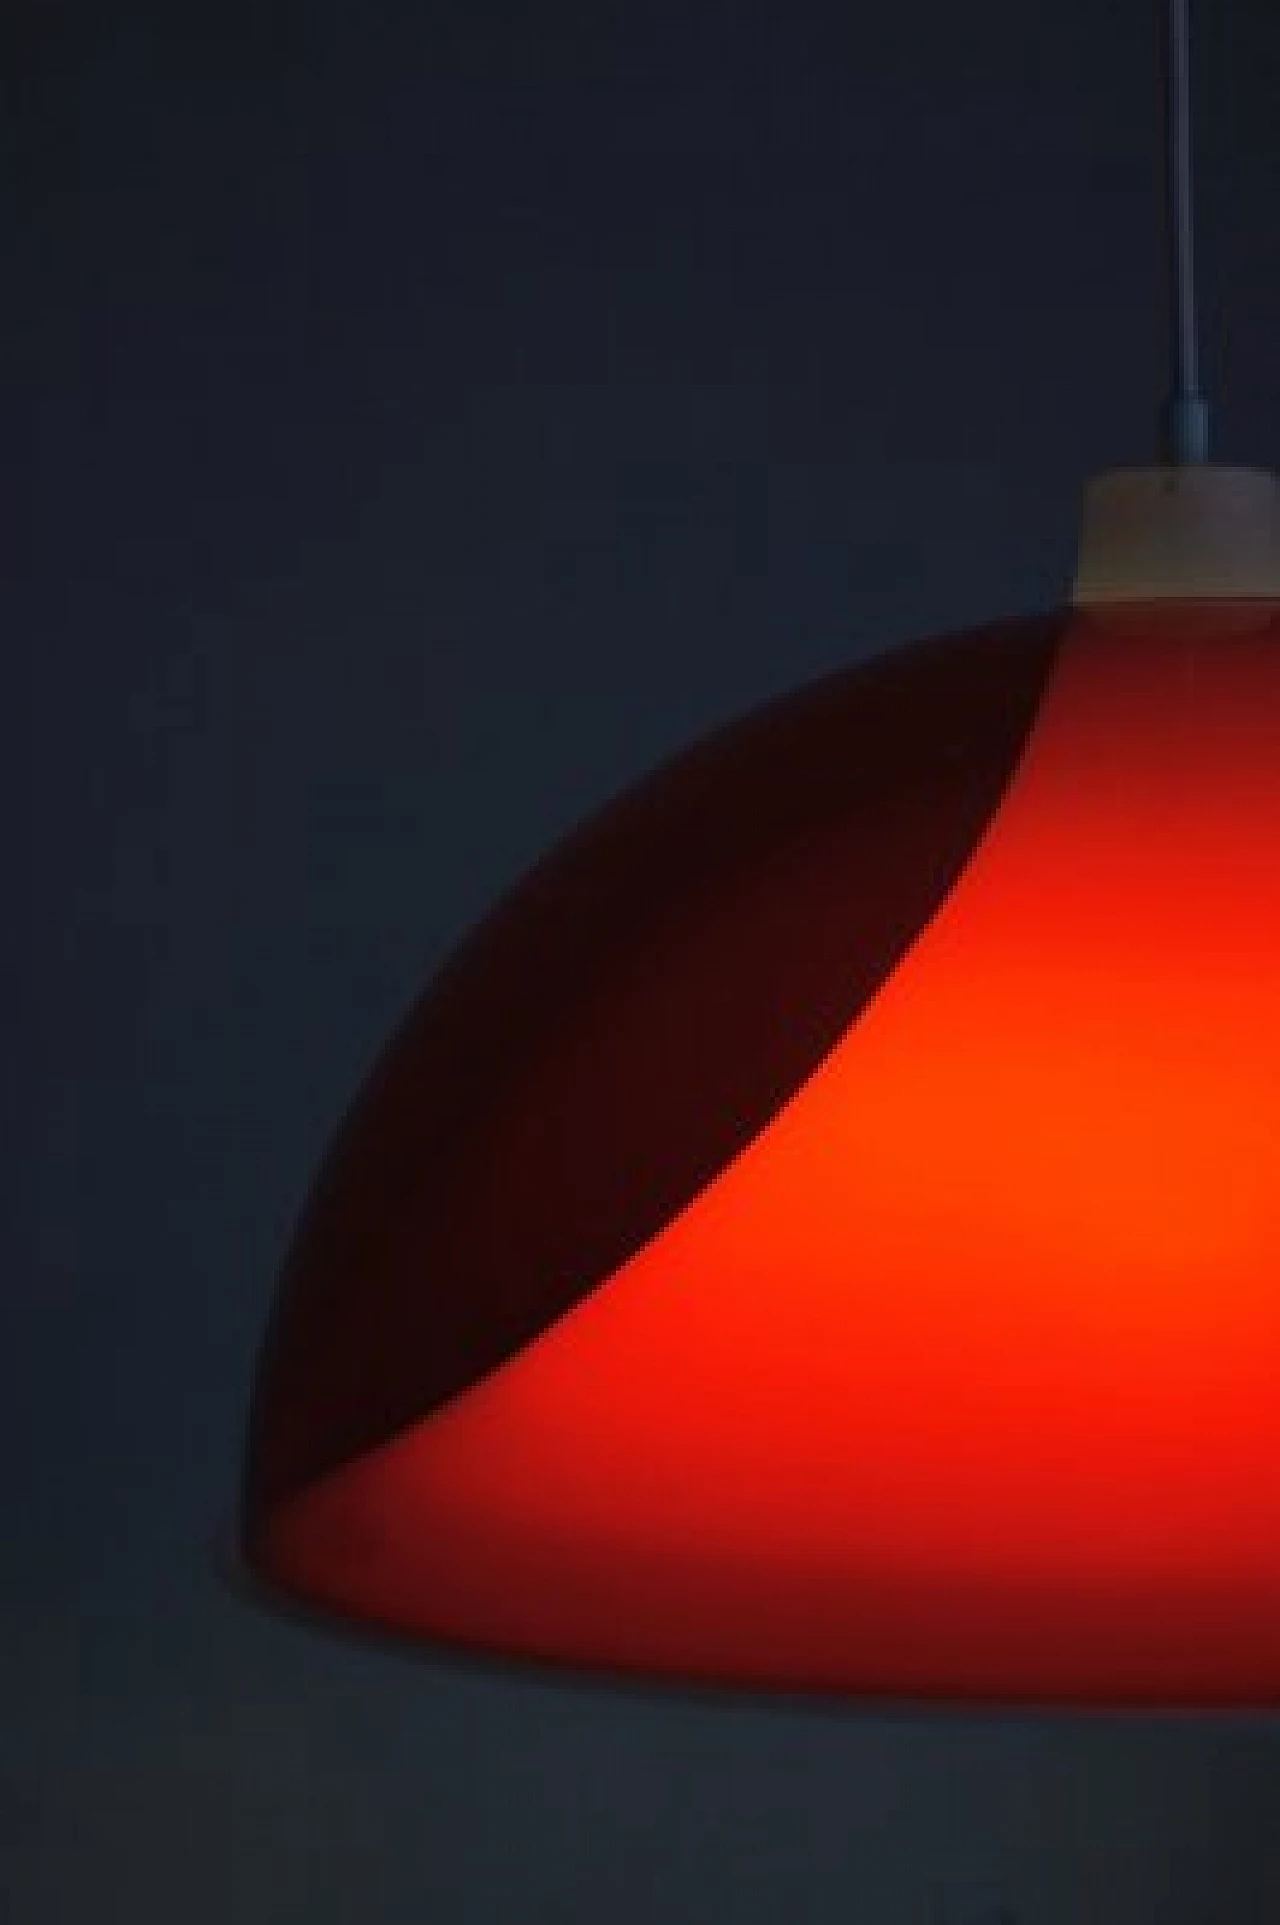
822 1232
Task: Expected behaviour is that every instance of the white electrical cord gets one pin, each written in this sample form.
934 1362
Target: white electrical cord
1185 419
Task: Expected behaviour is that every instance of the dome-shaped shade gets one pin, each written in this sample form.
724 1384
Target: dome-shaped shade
823 1231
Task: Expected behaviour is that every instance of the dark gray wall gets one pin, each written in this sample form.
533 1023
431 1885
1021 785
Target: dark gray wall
428 417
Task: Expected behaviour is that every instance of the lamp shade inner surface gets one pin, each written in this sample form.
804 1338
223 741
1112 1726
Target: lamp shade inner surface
823 1231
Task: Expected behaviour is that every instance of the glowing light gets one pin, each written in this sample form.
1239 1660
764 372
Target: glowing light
960 1376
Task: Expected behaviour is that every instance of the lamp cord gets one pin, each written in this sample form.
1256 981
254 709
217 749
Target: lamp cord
1185 416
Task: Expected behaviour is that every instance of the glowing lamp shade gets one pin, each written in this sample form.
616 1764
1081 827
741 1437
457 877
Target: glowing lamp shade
823 1231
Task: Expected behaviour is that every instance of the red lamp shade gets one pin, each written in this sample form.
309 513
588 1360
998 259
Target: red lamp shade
823 1231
